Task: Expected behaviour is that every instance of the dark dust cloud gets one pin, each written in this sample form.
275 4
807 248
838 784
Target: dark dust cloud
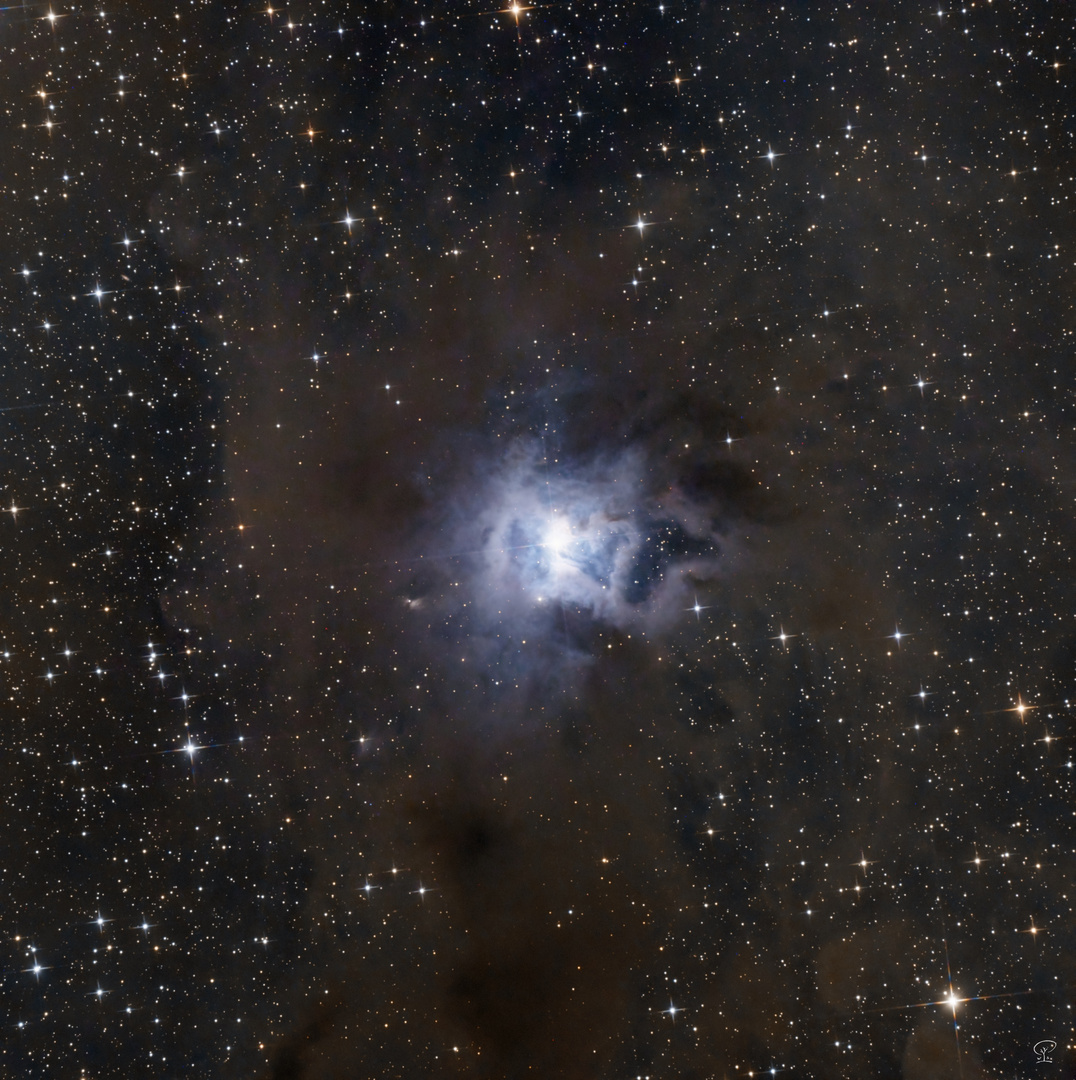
538 540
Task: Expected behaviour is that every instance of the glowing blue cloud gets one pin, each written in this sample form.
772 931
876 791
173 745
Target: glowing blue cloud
589 536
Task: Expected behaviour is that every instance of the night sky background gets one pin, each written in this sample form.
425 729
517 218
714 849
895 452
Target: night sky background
537 540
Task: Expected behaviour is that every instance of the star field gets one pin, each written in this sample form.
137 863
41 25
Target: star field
537 540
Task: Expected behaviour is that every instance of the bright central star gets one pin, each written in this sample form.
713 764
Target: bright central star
558 536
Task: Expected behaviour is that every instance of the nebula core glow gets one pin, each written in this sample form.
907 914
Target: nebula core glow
546 535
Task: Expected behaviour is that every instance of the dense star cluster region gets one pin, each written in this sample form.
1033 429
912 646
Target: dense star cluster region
538 540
